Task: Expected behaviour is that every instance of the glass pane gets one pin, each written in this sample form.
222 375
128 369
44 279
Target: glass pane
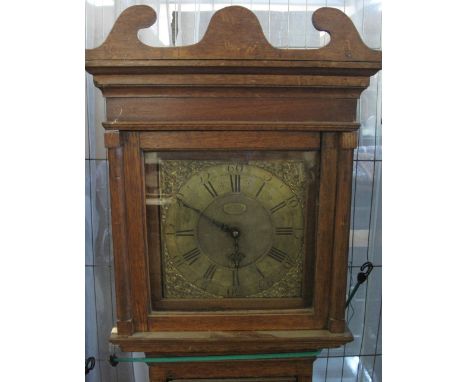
334 369
100 212
361 212
377 372
320 369
372 24
91 336
104 319
355 314
368 117
365 369
89 259
229 224
375 234
372 312
350 368
378 131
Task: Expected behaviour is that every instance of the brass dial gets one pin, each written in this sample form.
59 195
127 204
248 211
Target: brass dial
234 230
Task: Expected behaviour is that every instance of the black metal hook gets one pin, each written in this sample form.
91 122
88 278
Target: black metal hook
89 364
366 269
367 265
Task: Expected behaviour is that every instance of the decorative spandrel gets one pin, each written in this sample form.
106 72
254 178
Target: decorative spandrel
231 227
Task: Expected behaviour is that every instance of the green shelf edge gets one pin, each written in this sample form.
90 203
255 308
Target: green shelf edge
235 357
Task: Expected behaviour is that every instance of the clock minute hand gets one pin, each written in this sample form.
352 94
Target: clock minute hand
222 226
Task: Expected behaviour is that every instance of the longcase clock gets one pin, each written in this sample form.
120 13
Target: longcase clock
230 166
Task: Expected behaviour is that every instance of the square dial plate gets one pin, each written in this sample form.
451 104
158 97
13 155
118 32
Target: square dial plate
229 225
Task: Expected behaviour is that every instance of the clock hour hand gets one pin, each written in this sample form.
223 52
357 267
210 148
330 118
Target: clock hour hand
236 257
222 226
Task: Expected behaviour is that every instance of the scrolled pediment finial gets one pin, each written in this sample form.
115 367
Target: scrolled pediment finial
123 37
344 38
235 33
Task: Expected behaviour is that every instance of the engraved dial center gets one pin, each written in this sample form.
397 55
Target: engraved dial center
252 224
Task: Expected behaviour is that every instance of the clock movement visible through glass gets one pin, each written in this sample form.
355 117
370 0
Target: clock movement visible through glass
229 225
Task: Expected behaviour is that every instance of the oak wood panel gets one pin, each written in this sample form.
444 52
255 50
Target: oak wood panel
230 85
233 140
325 233
341 241
229 342
309 287
207 92
230 81
136 239
233 369
274 319
231 125
222 304
119 239
231 109
298 67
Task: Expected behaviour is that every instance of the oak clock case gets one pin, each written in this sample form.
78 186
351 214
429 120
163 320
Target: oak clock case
231 229
230 174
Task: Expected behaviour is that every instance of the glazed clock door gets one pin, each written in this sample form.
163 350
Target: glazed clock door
230 230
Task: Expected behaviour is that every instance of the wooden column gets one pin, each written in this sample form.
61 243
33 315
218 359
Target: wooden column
347 143
119 230
136 231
